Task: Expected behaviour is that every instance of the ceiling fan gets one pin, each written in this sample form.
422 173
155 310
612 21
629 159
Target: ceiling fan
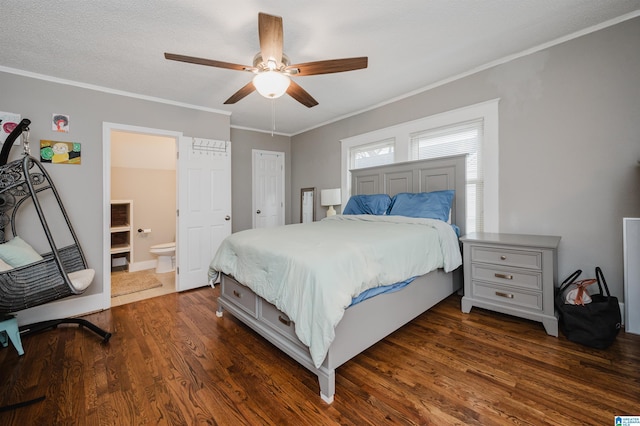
272 67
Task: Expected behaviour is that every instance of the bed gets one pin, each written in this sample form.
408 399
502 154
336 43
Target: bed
264 306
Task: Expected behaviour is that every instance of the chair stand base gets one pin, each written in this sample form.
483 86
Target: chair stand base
9 332
26 330
21 404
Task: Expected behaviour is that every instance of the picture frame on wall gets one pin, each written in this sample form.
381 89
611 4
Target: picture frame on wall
58 152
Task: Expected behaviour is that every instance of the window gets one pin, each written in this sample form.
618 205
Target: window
372 154
472 129
460 138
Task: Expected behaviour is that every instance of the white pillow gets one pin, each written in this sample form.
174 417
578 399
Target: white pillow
81 279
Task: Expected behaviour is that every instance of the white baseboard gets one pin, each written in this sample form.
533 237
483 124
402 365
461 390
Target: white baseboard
141 266
64 308
73 306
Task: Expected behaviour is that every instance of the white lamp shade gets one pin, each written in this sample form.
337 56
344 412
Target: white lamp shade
330 197
271 84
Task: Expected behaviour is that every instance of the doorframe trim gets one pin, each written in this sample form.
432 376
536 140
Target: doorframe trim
107 128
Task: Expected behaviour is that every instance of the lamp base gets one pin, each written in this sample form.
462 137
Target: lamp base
331 211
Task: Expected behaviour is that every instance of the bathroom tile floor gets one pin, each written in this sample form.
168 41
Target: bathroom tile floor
168 280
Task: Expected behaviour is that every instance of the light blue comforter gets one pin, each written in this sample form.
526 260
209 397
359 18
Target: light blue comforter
312 271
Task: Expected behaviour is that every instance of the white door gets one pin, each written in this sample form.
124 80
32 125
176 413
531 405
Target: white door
268 188
204 200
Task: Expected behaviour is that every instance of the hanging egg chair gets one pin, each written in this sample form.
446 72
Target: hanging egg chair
30 204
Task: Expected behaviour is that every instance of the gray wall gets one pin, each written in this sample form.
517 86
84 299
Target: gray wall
81 187
569 143
242 144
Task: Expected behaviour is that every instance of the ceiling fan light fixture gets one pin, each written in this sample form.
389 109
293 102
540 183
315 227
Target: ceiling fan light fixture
271 84
272 67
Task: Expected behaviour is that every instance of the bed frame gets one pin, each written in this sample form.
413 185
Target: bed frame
362 325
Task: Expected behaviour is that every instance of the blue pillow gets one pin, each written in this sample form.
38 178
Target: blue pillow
431 205
376 204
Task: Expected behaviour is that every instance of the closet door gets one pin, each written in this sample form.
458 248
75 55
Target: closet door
204 200
268 188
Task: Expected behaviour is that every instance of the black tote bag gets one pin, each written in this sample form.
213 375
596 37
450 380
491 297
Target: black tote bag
594 324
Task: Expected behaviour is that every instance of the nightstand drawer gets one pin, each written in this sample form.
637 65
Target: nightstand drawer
279 321
508 277
239 295
517 258
507 296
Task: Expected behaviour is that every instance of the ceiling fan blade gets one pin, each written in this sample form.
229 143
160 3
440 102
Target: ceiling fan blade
247 89
329 66
301 95
271 37
207 62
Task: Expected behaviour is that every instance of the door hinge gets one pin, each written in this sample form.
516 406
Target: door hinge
177 155
178 212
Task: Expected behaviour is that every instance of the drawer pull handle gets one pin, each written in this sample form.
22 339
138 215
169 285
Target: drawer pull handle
285 321
505 276
507 295
237 294
503 257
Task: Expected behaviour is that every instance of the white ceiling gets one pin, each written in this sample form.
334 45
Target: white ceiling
411 45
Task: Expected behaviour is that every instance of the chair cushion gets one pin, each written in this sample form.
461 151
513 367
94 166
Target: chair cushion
4 266
81 279
16 252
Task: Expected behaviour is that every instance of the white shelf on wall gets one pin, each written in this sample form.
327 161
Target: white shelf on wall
121 234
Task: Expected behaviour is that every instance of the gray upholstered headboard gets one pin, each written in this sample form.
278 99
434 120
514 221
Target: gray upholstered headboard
418 176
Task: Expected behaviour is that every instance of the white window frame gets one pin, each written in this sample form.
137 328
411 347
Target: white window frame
373 146
487 111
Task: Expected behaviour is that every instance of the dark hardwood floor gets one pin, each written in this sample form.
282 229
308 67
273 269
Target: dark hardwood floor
172 361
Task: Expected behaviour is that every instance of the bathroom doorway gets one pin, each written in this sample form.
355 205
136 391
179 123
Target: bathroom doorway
142 178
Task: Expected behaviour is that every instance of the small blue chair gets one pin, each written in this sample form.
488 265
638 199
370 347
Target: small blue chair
9 331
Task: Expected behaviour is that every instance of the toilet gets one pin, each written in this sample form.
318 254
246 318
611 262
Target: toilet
166 257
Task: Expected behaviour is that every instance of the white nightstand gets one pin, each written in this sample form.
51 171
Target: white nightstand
512 274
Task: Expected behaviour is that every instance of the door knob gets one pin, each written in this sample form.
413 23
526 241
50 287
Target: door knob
227 217
258 212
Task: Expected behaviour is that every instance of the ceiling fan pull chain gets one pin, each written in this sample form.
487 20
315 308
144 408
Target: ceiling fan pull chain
273 116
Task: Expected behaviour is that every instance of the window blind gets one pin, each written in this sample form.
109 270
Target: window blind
459 138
